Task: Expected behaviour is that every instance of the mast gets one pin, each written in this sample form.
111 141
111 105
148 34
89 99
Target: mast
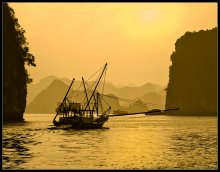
95 88
63 100
97 108
85 91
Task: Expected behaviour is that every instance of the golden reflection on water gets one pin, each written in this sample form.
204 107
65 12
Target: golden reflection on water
137 142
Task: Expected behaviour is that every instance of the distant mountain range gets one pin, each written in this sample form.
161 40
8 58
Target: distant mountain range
43 96
46 100
34 89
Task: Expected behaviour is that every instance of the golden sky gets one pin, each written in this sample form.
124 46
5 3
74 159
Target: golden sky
136 39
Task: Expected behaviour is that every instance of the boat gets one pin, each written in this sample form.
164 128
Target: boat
120 112
160 112
87 113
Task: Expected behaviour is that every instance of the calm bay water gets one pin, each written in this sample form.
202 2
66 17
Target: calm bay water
128 142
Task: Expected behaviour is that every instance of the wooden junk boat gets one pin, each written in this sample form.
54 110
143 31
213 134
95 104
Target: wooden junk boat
87 113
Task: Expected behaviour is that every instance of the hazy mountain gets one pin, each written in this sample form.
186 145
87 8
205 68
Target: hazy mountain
132 92
154 99
34 89
125 92
46 100
137 106
67 81
51 87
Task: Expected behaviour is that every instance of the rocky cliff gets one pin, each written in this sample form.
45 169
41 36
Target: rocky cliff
193 74
15 76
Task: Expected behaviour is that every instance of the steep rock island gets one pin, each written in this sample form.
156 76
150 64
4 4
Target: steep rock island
193 74
15 77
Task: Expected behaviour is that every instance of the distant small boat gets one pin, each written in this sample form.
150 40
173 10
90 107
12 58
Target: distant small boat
159 111
155 112
120 112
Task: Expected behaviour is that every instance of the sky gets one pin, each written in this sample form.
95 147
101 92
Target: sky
135 39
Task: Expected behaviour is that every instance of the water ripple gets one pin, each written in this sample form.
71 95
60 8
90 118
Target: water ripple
154 142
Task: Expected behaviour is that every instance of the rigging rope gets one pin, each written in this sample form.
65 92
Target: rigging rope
90 89
95 73
134 101
77 90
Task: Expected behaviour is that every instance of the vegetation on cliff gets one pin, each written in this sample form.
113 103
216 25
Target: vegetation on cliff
193 74
15 77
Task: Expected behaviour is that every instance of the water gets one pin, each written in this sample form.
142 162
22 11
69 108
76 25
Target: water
128 142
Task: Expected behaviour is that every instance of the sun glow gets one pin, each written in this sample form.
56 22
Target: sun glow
150 16
62 33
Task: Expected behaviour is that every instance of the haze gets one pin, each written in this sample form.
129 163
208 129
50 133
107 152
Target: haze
136 39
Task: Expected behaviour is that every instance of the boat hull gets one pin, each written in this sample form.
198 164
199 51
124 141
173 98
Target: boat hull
87 126
82 123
